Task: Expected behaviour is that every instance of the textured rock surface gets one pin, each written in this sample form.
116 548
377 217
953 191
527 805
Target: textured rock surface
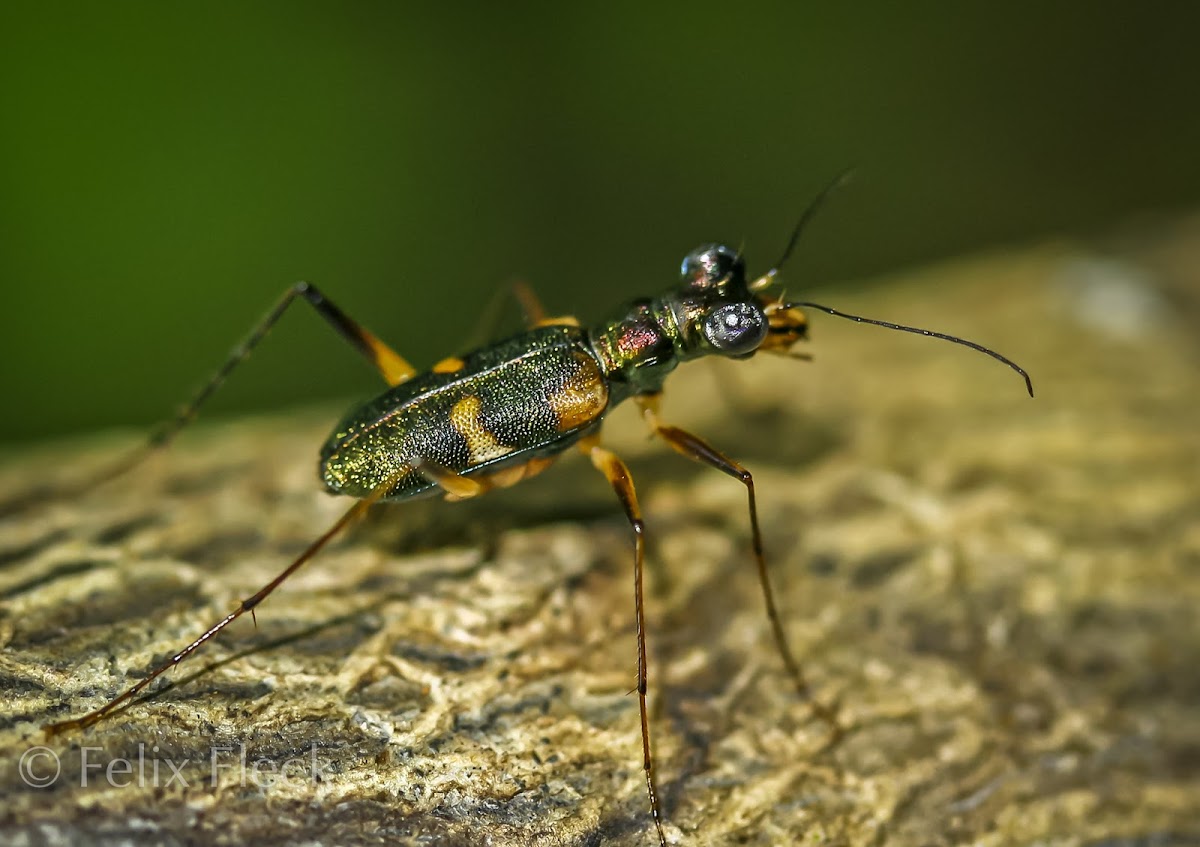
1000 594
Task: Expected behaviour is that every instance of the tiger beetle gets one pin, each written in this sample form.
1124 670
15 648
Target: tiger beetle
503 412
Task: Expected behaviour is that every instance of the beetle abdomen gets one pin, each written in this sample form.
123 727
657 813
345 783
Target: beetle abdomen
502 406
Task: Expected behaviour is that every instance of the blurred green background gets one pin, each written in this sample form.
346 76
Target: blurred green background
167 169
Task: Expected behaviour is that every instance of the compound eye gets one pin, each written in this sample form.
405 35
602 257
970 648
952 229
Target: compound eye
709 265
735 329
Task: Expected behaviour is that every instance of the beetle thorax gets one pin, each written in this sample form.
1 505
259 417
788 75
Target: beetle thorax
640 347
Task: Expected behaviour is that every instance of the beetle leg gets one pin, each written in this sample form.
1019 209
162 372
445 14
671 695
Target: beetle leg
456 486
390 365
247 605
393 367
609 464
534 311
698 450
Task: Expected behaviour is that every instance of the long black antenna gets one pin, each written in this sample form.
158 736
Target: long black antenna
816 203
918 331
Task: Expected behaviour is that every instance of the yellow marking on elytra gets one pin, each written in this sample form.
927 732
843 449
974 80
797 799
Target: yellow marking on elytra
449 365
484 447
583 399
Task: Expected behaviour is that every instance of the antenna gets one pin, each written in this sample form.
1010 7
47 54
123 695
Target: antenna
918 331
816 203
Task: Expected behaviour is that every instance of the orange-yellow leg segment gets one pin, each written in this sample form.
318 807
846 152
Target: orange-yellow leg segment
391 366
614 470
534 311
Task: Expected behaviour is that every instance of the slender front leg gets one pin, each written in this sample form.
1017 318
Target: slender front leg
618 476
696 449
